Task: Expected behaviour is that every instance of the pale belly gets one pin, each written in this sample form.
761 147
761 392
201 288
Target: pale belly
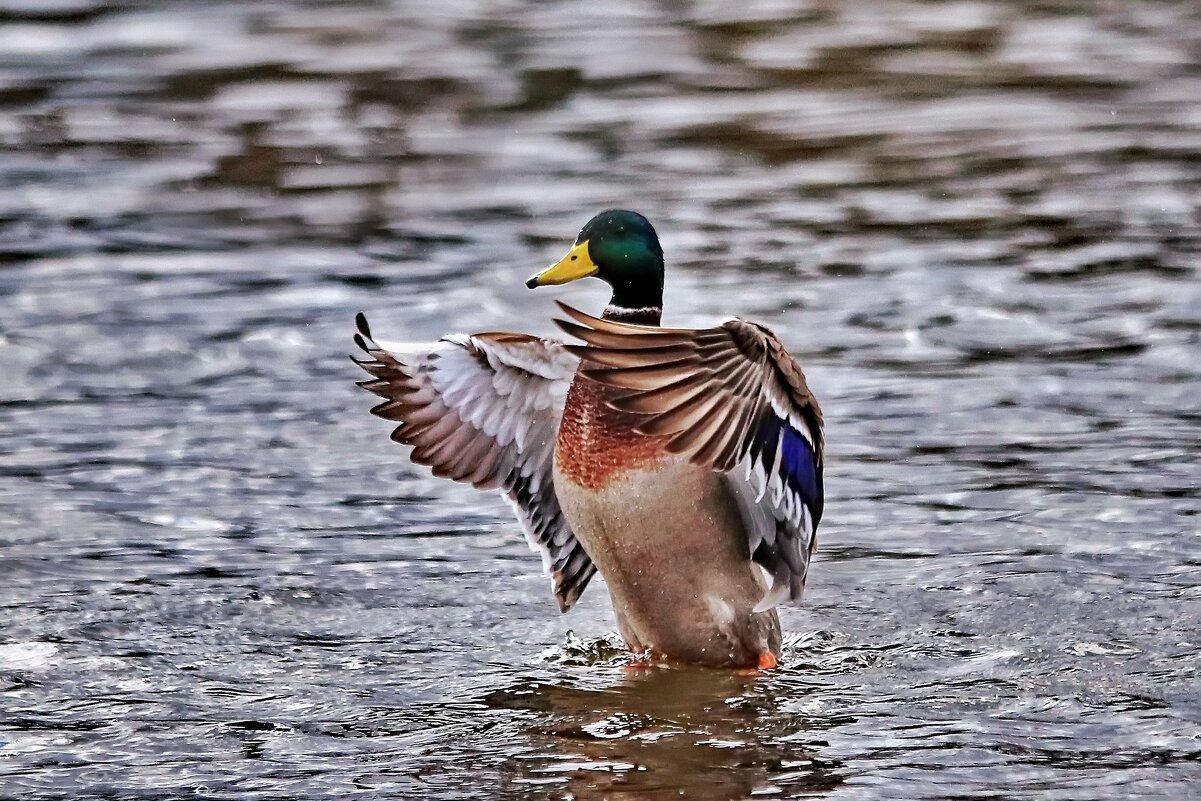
671 548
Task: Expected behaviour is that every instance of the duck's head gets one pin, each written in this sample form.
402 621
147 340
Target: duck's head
620 248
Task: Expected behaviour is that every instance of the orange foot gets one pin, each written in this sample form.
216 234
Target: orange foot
767 661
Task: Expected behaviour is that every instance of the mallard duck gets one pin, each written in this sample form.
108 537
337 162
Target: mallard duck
683 464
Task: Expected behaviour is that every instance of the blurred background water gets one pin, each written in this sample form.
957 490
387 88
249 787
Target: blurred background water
976 224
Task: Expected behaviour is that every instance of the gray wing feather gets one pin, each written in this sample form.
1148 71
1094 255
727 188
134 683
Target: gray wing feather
484 409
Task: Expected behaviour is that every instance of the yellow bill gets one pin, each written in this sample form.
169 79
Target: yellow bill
575 265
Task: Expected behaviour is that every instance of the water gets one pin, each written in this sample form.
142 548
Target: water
975 223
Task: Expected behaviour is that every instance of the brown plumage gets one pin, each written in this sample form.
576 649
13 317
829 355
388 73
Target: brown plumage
598 442
703 388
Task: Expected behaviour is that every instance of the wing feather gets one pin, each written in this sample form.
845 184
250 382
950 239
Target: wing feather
484 409
733 399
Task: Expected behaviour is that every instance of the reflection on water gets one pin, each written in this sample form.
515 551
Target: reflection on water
975 222
655 733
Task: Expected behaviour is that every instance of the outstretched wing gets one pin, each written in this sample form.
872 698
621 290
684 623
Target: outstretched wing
484 409
733 399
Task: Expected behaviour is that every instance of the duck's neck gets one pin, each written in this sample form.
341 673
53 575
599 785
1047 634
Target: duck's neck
644 315
637 296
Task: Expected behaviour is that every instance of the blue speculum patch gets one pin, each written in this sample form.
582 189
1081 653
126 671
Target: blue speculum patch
798 464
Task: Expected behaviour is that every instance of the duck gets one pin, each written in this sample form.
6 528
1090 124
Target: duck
685 465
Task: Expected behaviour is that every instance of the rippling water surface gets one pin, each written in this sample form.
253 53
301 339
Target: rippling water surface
975 223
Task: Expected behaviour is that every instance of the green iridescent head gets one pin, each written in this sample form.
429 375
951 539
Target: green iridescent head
620 248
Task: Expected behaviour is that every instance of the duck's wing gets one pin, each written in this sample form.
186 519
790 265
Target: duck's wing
484 409
731 398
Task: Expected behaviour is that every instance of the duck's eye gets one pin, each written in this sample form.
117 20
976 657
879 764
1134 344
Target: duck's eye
573 258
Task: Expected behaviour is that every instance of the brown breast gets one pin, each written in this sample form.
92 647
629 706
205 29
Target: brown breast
596 442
